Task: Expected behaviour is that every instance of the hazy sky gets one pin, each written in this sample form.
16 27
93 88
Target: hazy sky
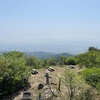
49 21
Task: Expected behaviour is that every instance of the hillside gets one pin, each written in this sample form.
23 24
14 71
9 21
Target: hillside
46 55
16 68
35 80
40 55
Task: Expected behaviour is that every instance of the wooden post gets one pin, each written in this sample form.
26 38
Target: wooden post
52 92
59 84
39 96
47 78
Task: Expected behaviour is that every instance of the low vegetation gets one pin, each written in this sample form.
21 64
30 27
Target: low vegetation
92 77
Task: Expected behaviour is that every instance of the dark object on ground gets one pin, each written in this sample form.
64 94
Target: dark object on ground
72 66
53 84
40 86
51 69
27 96
47 78
34 71
40 97
59 85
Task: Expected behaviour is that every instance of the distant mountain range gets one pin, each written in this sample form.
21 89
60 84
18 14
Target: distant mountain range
45 55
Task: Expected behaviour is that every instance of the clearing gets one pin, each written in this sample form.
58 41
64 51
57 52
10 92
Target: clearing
35 80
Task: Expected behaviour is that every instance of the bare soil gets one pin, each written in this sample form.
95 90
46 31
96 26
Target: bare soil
36 79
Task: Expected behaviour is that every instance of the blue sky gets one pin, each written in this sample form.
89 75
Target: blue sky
49 22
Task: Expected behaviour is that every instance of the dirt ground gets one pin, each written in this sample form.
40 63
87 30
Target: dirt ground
40 78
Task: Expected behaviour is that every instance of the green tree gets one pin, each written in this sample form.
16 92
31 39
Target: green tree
51 61
75 85
13 72
77 88
33 61
93 48
44 63
71 61
62 60
89 59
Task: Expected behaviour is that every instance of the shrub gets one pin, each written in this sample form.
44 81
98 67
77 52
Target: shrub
71 61
92 77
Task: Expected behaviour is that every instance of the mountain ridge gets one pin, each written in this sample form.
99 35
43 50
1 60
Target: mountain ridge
46 55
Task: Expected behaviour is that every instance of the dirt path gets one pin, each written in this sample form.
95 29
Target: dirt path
40 78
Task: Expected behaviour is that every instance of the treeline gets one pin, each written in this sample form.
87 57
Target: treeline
63 60
89 59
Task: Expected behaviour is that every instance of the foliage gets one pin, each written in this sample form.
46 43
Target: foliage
33 61
51 61
13 72
92 77
15 68
37 63
62 60
44 63
74 83
89 59
93 48
88 94
77 88
71 61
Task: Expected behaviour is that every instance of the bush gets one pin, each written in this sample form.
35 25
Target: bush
13 73
92 77
71 61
